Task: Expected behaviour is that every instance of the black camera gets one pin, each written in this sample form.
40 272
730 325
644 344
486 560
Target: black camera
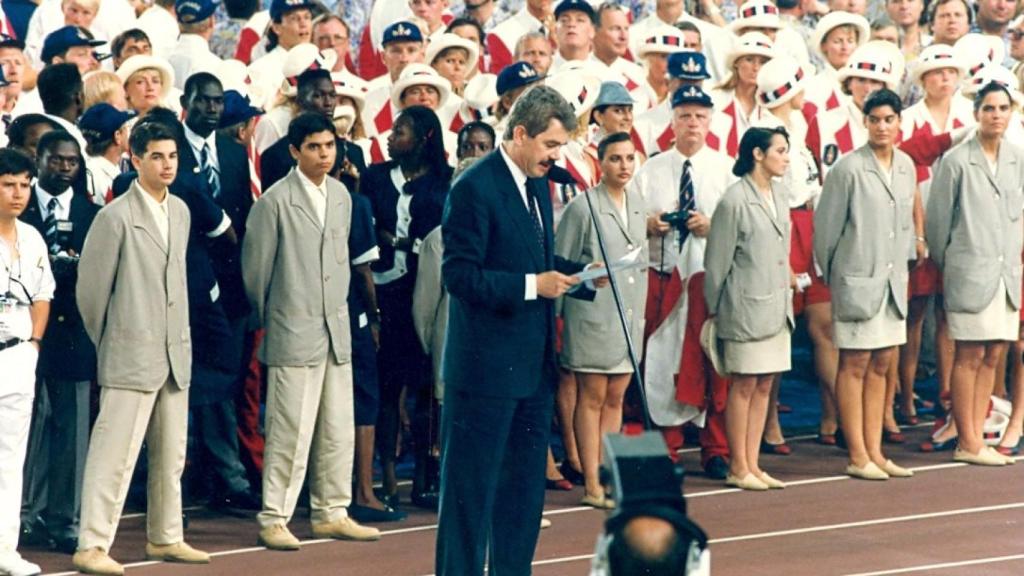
676 219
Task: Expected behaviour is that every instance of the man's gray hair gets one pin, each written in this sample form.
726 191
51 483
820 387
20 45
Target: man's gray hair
533 35
535 110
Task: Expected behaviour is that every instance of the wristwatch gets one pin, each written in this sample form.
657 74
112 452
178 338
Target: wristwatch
394 241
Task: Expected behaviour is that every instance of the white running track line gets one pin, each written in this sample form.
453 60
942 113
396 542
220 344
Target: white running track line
976 562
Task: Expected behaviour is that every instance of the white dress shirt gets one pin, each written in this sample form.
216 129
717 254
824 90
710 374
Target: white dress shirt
520 179
160 214
197 142
317 195
192 55
112 18
63 208
27 278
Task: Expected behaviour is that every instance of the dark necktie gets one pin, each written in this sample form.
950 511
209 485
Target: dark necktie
531 198
6 119
209 170
686 199
50 225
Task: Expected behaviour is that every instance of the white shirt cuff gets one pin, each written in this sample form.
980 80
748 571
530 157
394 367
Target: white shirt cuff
531 287
221 228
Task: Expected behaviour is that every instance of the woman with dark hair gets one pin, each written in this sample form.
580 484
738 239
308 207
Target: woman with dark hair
975 238
748 289
408 194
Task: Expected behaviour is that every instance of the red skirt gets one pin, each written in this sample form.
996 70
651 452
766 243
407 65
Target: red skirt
925 279
801 260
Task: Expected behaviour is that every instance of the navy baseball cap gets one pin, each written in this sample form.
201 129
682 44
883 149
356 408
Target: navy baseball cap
691 95
402 31
279 8
60 40
103 120
579 5
11 42
237 109
688 65
192 11
3 81
515 76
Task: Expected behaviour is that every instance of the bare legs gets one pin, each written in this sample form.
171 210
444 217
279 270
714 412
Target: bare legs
826 360
974 369
598 411
1016 425
565 404
745 415
860 389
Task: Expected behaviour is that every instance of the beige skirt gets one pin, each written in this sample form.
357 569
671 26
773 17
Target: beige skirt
766 356
997 321
883 330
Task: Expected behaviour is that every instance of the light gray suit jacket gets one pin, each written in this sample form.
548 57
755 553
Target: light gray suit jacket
296 273
746 264
592 337
430 304
974 227
133 297
863 229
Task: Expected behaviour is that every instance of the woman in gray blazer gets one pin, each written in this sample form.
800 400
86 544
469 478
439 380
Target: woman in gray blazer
975 236
594 346
863 233
748 289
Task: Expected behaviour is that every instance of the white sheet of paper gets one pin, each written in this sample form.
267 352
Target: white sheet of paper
627 262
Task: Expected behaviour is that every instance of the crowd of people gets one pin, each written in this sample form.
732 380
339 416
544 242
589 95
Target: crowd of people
233 233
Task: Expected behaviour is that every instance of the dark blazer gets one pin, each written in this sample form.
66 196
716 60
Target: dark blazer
277 161
499 344
426 207
69 354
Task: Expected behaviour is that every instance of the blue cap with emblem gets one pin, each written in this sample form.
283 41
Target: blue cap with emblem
192 11
103 120
62 39
237 109
688 65
11 42
402 31
278 8
691 95
578 5
515 76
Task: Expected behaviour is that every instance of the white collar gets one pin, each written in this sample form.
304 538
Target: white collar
63 199
322 188
517 173
196 141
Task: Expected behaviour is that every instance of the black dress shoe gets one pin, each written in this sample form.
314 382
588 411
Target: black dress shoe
242 501
66 544
34 533
368 515
570 473
427 500
716 468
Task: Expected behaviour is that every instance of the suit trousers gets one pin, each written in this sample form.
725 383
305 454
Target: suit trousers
17 387
55 465
126 418
309 419
492 482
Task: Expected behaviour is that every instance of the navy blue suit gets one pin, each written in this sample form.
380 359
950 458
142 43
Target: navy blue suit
499 371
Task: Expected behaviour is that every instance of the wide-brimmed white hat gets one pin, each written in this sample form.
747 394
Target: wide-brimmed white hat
448 40
834 20
936 57
751 43
979 50
710 344
579 89
420 75
876 60
302 58
234 75
756 14
481 92
663 39
345 86
780 80
141 62
994 74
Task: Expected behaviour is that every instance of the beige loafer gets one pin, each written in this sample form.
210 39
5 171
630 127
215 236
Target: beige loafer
96 561
346 529
178 552
278 537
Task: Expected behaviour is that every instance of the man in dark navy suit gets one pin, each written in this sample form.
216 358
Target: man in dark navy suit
499 364
67 362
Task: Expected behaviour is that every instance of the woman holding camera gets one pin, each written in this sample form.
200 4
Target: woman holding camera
594 345
748 289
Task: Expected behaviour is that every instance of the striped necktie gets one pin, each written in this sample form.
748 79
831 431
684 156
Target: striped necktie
686 199
50 225
538 229
210 171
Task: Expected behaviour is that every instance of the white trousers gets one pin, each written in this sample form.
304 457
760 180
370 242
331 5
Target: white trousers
17 389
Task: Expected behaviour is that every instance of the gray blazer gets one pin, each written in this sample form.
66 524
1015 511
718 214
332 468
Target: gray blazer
863 227
430 304
974 226
592 336
132 294
296 273
746 264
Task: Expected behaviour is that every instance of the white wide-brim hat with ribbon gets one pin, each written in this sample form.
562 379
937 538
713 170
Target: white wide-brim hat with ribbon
877 60
750 44
662 39
979 50
448 40
302 58
420 75
141 62
780 80
579 88
937 57
834 20
994 74
756 14
344 87
481 92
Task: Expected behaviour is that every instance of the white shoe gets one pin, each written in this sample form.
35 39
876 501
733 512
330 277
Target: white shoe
12 564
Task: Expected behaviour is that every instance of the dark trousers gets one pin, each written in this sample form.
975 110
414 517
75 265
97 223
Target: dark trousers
492 482
55 463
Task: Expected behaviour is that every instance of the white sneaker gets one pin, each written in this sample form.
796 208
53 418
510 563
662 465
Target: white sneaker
12 564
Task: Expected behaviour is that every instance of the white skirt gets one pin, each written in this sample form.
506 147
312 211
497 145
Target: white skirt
767 356
883 330
997 321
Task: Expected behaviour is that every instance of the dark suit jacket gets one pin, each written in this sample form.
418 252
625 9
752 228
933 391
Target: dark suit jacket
277 161
499 344
68 353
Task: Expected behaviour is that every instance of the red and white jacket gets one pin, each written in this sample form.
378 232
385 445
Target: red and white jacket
652 130
823 93
501 42
728 123
925 142
834 134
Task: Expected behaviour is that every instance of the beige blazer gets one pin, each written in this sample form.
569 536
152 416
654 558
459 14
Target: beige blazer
974 227
592 336
430 303
133 297
863 230
296 273
746 264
